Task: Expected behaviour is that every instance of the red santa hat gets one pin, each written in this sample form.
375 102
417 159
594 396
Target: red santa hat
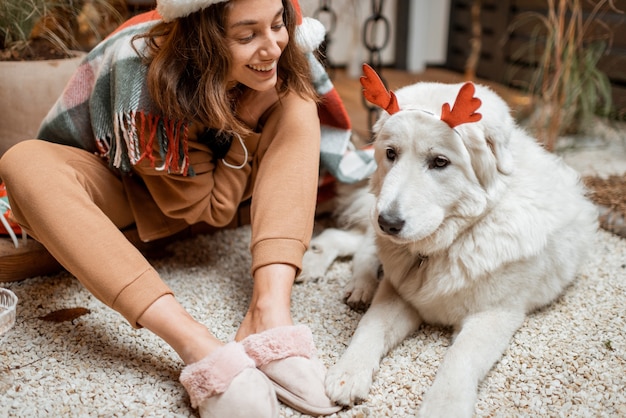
309 32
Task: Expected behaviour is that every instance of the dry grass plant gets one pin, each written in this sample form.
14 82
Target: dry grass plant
63 25
566 45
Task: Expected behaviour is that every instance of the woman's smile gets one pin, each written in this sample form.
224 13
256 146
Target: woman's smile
263 67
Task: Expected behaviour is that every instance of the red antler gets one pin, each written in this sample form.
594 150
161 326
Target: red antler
375 91
464 109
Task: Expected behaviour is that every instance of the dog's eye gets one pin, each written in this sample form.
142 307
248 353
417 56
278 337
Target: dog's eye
391 154
439 162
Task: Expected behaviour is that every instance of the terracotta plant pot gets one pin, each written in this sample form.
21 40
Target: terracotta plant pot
28 89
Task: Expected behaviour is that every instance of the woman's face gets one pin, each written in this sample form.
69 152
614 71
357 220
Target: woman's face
256 36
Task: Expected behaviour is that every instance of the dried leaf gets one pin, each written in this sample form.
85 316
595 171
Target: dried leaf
63 315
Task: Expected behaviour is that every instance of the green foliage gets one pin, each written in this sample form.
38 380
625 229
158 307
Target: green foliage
590 89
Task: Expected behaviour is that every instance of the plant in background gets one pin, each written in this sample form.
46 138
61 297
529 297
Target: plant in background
57 27
17 19
565 47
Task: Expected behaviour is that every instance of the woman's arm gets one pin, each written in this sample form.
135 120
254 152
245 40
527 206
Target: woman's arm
213 194
285 189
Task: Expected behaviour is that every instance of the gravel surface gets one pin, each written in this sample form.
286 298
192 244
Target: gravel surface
567 360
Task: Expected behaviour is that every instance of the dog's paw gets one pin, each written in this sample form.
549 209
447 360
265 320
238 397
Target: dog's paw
358 294
447 403
315 262
348 385
448 408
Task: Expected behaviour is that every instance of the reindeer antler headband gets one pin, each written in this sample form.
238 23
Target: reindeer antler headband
463 111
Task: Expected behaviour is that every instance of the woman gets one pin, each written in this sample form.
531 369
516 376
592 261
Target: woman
182 119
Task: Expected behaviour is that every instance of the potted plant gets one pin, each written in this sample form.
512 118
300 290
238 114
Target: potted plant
565 47
41 44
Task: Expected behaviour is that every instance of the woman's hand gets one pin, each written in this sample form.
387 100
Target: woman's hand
253 104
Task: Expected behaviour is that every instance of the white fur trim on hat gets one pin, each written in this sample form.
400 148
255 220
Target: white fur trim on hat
310 34
173 9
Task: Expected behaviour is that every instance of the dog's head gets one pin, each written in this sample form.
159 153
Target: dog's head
437 170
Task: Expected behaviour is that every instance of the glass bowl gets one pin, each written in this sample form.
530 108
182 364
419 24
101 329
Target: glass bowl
8 302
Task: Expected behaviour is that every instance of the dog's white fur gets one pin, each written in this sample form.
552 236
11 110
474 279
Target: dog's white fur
475 227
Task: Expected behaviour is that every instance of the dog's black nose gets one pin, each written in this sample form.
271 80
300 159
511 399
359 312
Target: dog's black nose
390 224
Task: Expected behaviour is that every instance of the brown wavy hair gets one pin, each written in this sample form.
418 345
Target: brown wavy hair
189 62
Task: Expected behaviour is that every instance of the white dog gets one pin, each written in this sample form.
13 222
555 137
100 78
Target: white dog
475 226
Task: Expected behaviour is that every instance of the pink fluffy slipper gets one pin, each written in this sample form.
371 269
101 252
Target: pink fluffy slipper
226 383
287 356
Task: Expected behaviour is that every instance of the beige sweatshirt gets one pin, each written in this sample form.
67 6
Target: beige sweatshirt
281 177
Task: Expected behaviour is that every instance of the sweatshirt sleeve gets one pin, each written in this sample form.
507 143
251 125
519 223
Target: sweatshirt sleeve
285 188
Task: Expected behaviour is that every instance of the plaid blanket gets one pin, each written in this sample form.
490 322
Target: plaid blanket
106 109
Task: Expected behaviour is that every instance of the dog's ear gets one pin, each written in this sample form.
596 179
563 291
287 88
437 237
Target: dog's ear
489 152
498 138
488 139
498 126
483 158
378 124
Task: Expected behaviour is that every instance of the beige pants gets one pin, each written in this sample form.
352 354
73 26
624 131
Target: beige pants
72 190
